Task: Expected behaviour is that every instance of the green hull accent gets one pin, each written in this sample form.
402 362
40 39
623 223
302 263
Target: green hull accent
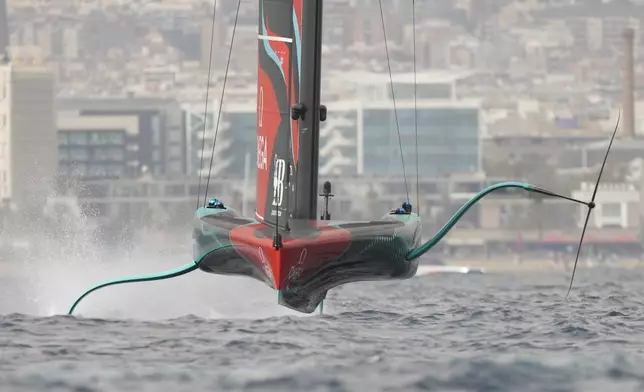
136 279
193 266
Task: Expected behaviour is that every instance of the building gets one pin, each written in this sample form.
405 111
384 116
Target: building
361 138
200 128
120 138
339 23
96 147
617 205
28 154
339 148
240 121
371 86
360 135
449 137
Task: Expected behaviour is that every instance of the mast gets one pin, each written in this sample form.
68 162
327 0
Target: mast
288 110
308 111
279 40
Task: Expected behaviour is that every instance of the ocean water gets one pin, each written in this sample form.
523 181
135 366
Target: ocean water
492 332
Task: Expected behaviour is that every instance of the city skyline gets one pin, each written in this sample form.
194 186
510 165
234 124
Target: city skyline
486 87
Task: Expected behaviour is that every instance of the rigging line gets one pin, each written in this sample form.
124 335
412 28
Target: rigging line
221 99
393 97
591 204
205 114
413 23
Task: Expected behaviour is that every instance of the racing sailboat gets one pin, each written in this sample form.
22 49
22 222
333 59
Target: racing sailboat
284 244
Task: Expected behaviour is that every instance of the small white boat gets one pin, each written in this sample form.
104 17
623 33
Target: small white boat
424 270
433 265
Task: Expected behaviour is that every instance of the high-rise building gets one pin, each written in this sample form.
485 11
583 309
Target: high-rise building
28 153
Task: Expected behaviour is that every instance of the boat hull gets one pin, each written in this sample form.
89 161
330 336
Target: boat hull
315 255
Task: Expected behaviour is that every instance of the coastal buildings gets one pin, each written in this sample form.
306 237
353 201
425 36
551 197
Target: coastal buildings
520 78
28 157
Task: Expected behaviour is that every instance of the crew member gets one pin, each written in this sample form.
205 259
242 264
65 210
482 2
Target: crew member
214 203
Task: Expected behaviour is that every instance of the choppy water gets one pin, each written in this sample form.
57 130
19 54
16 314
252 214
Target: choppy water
439 333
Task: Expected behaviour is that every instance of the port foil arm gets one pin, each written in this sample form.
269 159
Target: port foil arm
135 279
192 266
424 248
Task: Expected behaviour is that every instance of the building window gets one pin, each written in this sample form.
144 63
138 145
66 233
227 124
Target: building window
611 214
107 137
450 139
115 170
156 131
175 190
611 210
78 138
63 154
423 90
78 154
97 171
63 138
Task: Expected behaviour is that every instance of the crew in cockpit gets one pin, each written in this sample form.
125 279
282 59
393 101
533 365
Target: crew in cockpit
214 203
405 209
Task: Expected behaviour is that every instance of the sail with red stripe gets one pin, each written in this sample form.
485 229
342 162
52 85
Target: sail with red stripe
278 75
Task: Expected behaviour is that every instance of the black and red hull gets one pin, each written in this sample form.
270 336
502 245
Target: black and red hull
316 255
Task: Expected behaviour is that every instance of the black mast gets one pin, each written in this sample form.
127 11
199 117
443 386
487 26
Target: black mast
309 112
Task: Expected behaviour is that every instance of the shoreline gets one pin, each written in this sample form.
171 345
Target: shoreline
21 270
541 264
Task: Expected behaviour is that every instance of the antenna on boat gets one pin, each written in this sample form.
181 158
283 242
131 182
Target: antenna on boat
277 237
326 193
591 204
